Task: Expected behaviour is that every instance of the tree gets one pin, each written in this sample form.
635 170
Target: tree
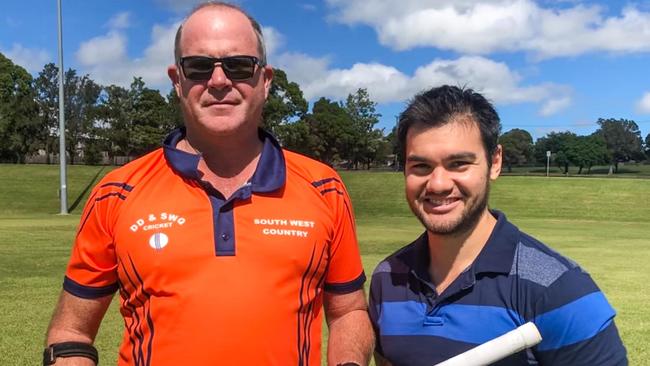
150 120
115 111
331 128
47 97
647 146
81 107
19 124
587 151
559 143
623 140
364 140
284 105
517 147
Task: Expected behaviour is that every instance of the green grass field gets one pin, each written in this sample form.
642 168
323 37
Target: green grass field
601 223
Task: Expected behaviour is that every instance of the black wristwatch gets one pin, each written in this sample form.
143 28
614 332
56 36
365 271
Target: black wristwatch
69 349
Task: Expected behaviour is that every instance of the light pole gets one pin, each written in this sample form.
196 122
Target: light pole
63 191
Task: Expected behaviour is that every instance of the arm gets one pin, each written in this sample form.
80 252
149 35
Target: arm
76 319
350 333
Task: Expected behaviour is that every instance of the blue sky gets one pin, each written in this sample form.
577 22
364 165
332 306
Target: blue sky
548 65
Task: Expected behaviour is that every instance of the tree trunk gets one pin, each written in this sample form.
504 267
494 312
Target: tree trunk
580 170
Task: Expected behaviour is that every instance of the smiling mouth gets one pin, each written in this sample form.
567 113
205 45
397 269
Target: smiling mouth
440 204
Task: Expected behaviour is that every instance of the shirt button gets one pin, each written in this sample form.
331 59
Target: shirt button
225 236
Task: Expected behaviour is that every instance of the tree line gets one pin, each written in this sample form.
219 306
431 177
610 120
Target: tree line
113 121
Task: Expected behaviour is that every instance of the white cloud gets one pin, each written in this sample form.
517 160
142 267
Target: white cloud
483 27
106 60
385 83
273 40
643 105
120 21
31 59
553 106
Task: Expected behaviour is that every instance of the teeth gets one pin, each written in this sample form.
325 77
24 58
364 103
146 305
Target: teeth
439 202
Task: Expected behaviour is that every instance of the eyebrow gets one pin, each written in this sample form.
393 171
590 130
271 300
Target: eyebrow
458 156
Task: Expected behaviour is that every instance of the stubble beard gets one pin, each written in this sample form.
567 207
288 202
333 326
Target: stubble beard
465 223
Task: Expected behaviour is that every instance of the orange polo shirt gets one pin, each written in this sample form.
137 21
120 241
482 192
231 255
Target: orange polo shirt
204 280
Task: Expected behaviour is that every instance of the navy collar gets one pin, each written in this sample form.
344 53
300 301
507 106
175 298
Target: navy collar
495 257
270 173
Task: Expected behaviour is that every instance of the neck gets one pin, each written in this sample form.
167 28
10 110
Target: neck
227 162
451 254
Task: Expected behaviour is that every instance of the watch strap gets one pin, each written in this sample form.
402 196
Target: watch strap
69 349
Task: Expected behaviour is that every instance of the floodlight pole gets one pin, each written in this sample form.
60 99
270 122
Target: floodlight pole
63 191
548 161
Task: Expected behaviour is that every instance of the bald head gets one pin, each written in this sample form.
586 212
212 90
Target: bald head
226 7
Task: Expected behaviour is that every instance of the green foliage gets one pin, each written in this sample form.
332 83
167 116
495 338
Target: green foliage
559 143
623 140
517 147
365 143
47 98
81 95
19 125
285 104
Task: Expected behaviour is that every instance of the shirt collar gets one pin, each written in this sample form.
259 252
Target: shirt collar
270 173
495 257
499 251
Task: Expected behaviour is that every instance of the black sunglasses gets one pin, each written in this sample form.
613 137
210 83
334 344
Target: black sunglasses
236 68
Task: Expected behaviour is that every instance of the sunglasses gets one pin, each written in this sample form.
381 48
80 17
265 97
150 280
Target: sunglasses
236 68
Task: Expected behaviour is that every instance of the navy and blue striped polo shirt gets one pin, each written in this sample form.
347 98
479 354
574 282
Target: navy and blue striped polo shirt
514 280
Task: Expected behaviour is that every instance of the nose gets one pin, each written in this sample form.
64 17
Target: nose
440 181
219 80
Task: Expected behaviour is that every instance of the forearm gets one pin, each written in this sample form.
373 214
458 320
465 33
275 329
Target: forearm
350 339
76 320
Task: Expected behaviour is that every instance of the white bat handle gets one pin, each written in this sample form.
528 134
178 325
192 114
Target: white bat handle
499 348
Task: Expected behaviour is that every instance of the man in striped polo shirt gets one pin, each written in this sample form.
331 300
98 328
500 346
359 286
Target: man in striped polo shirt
472 275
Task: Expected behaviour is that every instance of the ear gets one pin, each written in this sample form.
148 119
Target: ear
497 159
268 80
174 75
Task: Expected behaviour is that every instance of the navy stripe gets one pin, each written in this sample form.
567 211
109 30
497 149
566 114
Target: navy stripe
126 187
147 310
300 309
83 223
130 326
586 316
347 287
465 323
319 183
323 192
308 314
136 330
107 195
88 292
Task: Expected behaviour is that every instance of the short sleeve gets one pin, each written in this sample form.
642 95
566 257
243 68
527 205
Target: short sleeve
91 271
345 273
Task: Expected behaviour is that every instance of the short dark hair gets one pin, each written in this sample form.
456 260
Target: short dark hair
261 48
441 105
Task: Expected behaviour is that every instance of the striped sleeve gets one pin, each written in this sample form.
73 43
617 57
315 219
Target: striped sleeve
92 269
345 273
577 324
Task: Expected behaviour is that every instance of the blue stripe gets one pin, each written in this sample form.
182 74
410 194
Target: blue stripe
574 322
88 292
466 323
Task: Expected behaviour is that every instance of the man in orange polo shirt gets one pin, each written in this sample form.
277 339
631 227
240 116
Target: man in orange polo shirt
223 246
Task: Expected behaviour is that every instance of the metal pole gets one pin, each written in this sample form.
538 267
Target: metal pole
62 160
548 162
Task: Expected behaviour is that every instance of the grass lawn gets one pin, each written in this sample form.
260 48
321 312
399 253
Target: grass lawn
601 223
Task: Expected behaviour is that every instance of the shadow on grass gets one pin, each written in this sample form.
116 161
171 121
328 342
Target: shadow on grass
83 193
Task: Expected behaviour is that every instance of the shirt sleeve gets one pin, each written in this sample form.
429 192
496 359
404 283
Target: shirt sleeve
91 271
345 273
577 324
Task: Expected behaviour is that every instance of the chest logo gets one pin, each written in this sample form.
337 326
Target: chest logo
163 220
158 240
